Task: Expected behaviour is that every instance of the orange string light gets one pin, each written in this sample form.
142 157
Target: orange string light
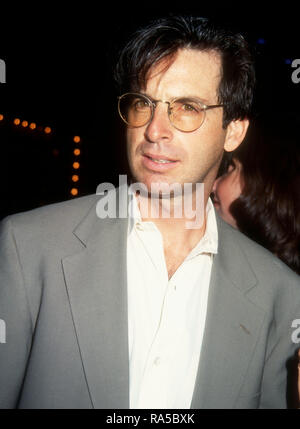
74 191
48 130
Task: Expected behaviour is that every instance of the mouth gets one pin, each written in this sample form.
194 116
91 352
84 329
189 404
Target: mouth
158 162
160 159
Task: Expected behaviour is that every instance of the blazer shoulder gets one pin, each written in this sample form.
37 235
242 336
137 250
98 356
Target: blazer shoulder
52 223
65 212
264 264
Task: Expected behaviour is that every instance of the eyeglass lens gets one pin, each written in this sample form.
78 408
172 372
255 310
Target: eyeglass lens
185 114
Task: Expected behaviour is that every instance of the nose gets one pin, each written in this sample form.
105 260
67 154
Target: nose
160 128
215 185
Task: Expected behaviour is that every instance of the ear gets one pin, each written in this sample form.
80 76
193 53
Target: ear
235 134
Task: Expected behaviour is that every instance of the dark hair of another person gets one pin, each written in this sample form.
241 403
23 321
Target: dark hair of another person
162 39
268 210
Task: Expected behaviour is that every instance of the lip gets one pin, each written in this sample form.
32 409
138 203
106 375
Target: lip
158 156
154 166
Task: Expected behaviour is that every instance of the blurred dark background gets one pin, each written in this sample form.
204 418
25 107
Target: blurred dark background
59 75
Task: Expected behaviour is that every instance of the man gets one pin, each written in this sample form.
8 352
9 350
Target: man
145 312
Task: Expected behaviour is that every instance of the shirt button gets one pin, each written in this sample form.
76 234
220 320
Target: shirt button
157 361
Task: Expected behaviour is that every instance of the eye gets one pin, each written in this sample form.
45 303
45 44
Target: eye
186 106
189 108
139 104
231 167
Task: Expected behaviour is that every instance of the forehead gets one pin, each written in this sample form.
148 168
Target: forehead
190 72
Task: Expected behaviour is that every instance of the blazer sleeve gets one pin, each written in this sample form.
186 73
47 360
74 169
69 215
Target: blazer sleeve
279 383
16 323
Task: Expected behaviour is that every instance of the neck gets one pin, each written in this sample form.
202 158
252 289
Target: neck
180 219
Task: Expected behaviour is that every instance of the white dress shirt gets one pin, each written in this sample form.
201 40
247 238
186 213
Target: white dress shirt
166 318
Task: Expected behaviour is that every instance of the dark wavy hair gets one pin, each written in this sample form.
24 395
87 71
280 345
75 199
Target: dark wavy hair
268 210
163 37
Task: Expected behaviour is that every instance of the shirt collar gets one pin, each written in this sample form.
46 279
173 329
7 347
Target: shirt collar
207 244
134 215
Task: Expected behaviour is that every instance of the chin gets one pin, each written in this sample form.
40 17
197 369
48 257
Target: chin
153 179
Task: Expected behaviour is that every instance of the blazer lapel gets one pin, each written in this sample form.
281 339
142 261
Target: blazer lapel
232 327
97 290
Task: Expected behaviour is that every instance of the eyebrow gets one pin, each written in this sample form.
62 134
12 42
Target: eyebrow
184 97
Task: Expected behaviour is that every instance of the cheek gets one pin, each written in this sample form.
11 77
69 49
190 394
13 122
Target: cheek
225 196
208 144
199 147
224 192
132 139
235 186
228 190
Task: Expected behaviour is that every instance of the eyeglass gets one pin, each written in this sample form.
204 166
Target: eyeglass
185 114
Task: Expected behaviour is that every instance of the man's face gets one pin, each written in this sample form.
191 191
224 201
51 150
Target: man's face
195 155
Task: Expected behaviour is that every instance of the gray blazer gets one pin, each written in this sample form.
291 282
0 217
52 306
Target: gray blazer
63 299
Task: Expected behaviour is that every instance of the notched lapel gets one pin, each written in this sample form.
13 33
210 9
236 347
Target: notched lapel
232 328
97 289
